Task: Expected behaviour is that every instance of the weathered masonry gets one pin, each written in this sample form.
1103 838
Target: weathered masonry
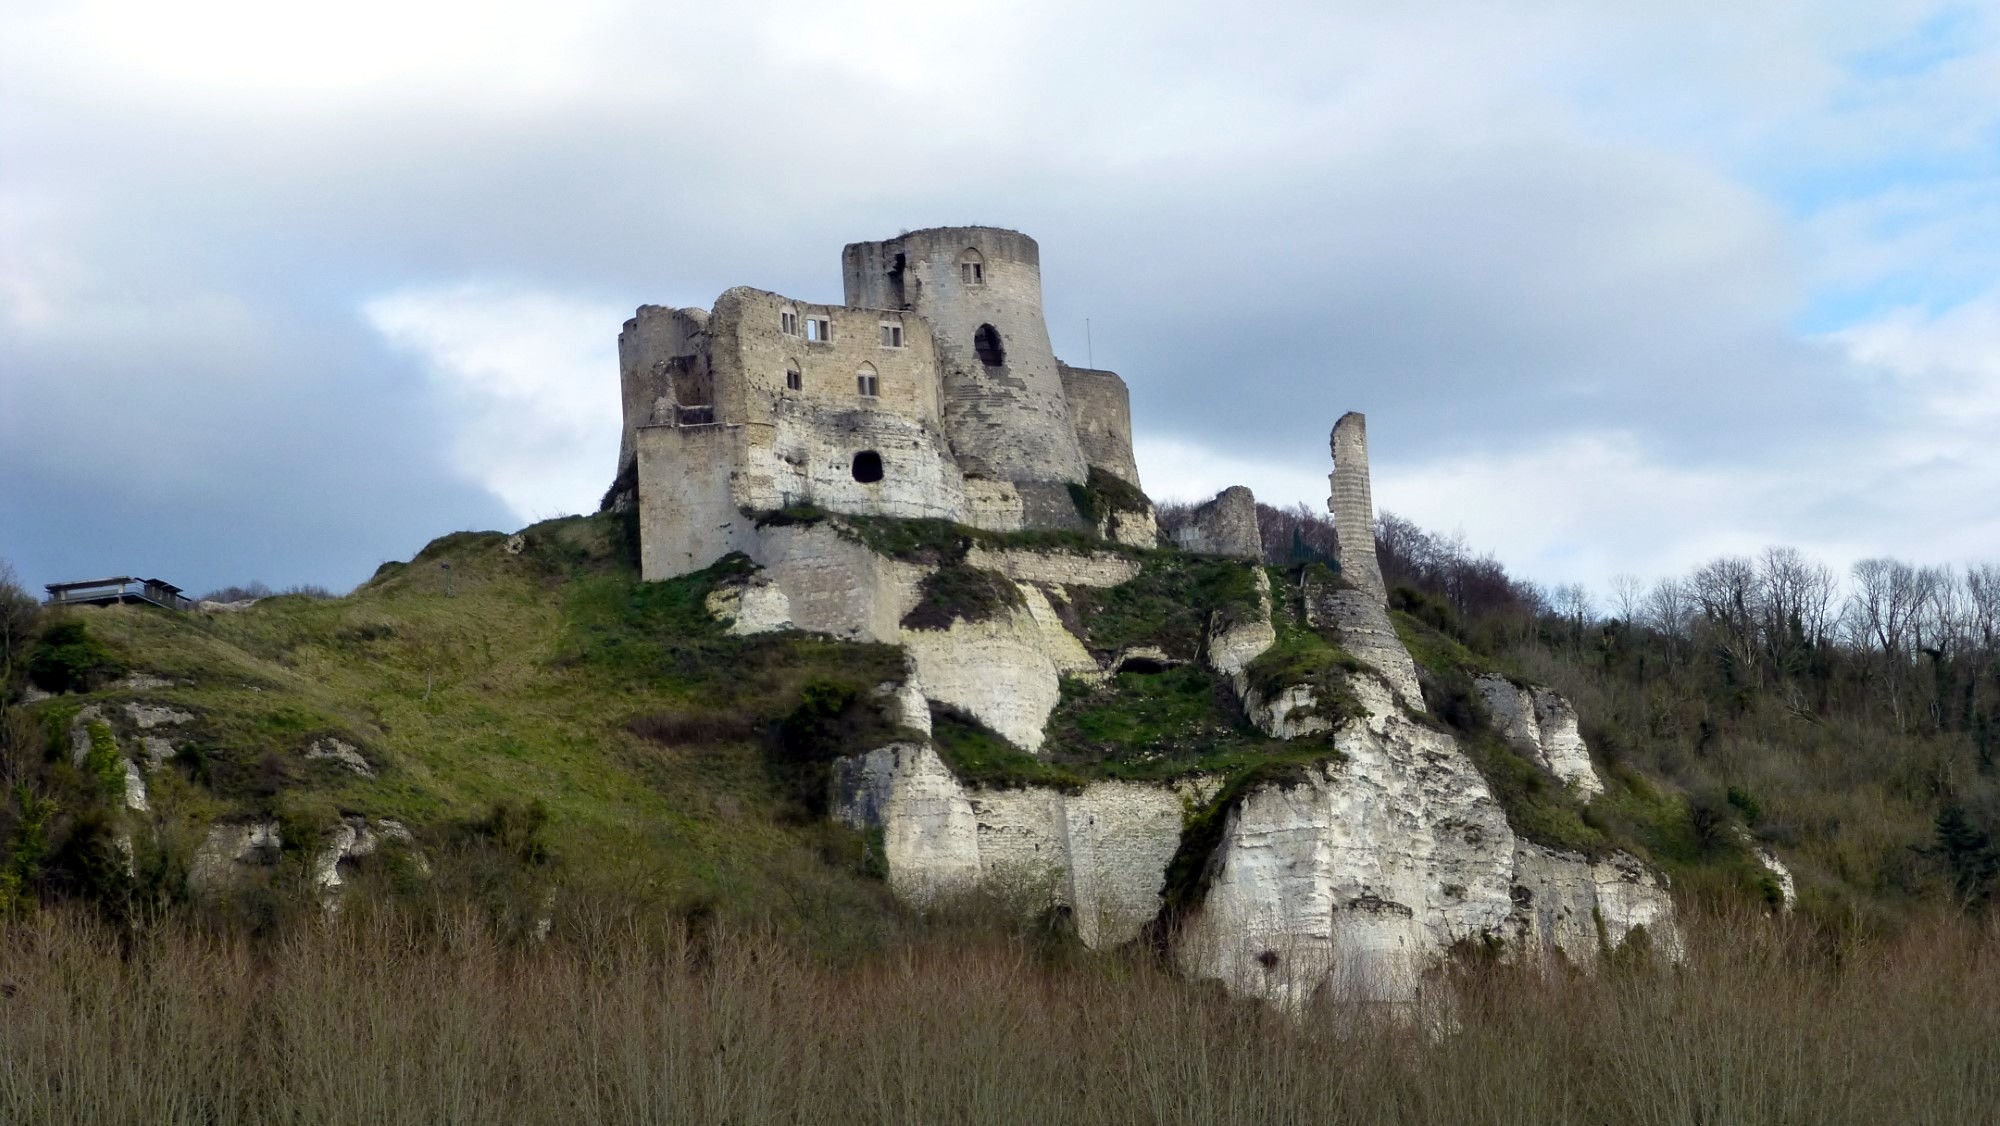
933 391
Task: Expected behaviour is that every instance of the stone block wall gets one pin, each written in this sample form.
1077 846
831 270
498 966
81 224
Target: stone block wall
1101 409
1353 506
751 354
688 516
662 359
1007 420
1226 525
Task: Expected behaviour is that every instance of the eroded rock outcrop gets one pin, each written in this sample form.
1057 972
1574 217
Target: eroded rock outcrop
1003 667
1544 724
1100 853
1350 872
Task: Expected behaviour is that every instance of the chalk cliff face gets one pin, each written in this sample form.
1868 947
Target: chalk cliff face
1101 853
1351 875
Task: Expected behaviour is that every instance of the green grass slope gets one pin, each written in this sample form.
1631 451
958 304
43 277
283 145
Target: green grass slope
493 670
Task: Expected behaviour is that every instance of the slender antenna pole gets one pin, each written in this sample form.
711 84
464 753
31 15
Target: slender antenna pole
1089 350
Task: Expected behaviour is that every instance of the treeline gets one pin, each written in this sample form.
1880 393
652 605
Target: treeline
1852 721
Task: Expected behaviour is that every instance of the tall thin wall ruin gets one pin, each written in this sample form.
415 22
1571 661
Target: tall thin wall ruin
1353 506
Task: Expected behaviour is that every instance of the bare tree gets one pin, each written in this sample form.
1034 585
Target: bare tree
1628 597
1982 589
1572 601
1882 613
20 615
1793 604
1725 592
1669 610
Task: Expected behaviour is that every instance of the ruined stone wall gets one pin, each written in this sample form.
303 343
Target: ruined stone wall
1008 420
805 446
1101 409
1226 525
662 359
752 354
1353 507
688 517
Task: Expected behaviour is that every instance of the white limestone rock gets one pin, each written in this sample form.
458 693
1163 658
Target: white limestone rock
1357 878
1057 568
1544 724
229 851
158 750
1788 889
132 793
1101 853
1234 641
135 787
1062 647
1291 712
340 753
349 840
1005 672
1569 905
79 733
148 716
904 705
1133 529
750 606
1563 749
1354 881
998 670
1360 624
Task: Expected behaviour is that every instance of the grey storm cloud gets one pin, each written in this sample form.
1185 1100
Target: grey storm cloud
1266 221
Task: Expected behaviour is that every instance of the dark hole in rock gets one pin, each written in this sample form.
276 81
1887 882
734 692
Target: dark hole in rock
1143 664
867 467
986 342
1268 959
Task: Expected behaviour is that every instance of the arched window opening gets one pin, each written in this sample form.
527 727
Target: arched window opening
972 268
795 376
866 383
986 342
867 467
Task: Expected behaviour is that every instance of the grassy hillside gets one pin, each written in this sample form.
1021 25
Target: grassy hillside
526 701
529 674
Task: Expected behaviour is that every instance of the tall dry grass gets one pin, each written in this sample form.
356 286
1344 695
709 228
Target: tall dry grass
390 1016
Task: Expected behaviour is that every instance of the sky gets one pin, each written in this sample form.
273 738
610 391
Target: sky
288 291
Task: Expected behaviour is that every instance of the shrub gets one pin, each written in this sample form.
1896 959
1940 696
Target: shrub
68 659
956 592
833 717
693 729
518 829
1104 495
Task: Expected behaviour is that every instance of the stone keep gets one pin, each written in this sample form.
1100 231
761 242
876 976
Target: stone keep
932 391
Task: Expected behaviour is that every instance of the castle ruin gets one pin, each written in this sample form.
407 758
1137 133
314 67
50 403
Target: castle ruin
932 392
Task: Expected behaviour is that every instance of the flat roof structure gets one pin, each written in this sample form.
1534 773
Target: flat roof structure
123 589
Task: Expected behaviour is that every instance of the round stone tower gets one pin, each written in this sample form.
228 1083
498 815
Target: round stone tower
981 290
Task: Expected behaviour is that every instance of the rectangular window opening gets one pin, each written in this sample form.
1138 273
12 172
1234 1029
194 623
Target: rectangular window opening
788 323
819 330
866 384
892 336
794 380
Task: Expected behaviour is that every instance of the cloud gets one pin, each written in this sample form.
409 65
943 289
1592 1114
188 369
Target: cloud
1560 250
524 377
